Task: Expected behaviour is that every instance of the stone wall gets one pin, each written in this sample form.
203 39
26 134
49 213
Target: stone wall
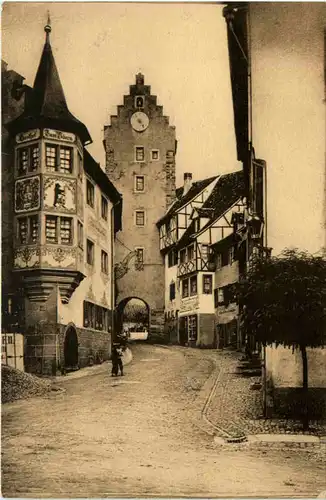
283 381
90 342
44 347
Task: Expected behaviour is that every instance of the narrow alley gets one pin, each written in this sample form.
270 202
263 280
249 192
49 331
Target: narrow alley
140 435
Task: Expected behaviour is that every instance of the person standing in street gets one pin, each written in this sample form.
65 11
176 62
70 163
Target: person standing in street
116 359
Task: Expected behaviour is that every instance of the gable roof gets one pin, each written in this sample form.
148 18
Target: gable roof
46 105
228 189
195 189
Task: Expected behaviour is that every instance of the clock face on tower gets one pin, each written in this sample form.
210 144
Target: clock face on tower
139 121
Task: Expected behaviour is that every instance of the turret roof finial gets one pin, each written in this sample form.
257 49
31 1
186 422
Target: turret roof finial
48 29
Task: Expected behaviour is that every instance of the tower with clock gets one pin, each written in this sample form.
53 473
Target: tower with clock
140 147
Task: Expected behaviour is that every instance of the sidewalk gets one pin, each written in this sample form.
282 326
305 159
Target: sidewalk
234 411
93 370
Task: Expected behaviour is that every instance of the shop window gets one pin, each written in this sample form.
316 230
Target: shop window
192 328
185 288
140 218
90 193
193 285
28 159
104 208
172 291
96 317
139 153
139 183
104 262
90 252
207 284
89 315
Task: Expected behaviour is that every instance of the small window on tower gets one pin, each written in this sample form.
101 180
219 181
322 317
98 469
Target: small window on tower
139 183
140 153
140 257
139 101
155 155
140 218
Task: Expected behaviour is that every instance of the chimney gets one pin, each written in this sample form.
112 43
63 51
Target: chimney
187 182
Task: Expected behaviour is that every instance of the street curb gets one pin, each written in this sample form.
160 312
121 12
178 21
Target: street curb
221 437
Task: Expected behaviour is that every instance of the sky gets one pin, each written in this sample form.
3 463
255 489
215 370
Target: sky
100 47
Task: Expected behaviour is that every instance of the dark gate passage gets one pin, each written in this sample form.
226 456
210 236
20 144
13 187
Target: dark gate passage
71 349
133 315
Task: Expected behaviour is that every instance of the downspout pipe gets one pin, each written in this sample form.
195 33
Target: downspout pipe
116 206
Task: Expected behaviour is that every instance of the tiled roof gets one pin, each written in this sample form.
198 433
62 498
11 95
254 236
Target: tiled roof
195 189
228 189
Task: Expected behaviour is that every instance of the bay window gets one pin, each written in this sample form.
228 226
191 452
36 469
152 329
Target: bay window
58 229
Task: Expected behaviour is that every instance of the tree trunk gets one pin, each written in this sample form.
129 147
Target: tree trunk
305 417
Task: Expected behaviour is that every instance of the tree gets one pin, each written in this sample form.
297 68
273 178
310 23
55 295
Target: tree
285 304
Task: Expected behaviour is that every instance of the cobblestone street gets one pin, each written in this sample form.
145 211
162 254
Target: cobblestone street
140 435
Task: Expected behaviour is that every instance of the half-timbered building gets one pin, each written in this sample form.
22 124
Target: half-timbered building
201 217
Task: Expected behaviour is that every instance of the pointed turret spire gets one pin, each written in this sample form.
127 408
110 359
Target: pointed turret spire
48 29
48 106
